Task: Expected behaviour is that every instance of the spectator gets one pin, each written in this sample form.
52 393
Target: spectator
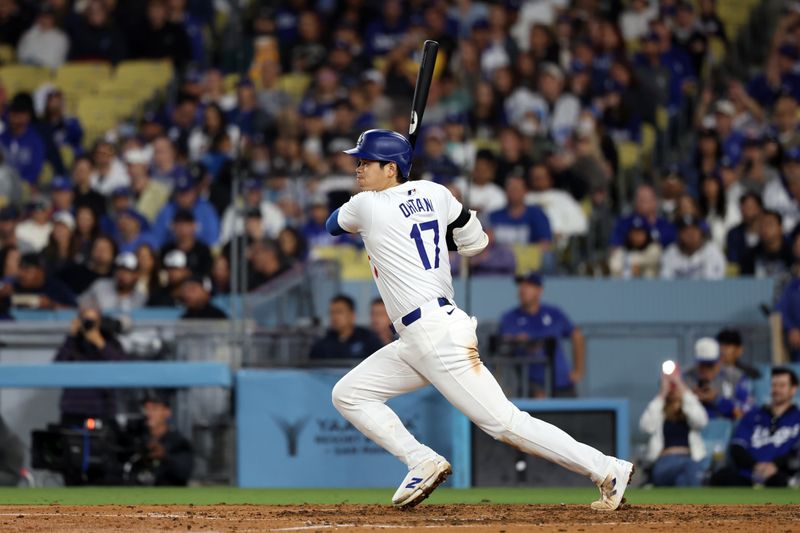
60 249
109 173
345 339
674 419
640 257
246 118
434 164
772 256
185 16
184 232
731 350
186 197
645 206
715 211
10 184
757 173
265 264
86 231
9 219
783 195
496 259
165 168
723 390
95 37
272 219
130 230
89 339
149 269
730 138
272 99
766 441
44 44
565 215
33 232
78 276
22 146
121 294
221 275
176 265
12 22
195 295
292 246
539 327
214 125
379 322
745 236
169 459
779 75
485 195
34 289
635 20
519 223
159 38
85 195
62 194
692 256
150 195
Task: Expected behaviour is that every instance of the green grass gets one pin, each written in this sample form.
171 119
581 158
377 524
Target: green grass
230 495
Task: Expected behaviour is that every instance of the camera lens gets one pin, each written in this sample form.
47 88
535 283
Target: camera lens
88 324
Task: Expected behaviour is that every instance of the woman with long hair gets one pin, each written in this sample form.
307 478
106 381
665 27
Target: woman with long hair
674 419
86 231
149 269
715 209
61 247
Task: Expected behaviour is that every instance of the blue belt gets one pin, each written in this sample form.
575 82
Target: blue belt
416 314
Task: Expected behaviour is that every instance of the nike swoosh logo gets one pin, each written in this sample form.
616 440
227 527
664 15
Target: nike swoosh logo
450 312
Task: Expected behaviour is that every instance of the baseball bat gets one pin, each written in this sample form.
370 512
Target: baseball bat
424 77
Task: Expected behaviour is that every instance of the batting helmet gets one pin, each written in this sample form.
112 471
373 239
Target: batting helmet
384 145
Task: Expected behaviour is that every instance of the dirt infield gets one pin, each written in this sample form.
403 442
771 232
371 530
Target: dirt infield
432 518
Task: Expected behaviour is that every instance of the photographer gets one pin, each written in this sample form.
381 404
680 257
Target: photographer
170 457
90 339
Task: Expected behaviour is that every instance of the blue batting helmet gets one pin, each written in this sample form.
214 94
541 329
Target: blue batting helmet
384 145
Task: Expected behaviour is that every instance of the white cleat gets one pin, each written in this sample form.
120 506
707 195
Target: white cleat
421 481
612 489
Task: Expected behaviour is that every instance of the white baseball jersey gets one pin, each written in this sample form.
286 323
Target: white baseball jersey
404 230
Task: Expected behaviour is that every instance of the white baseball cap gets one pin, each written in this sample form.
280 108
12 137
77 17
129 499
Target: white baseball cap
64 217
175 259
127 260
725 107
706 350
137 156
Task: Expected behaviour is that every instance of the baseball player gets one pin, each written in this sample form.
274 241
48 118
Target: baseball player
405 226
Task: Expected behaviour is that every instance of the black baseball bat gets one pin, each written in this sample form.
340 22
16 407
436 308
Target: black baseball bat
424 77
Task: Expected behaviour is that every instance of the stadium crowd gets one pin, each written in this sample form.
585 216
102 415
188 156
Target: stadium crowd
532 120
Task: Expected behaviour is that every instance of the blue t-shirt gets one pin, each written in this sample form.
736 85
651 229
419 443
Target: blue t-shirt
548 322
532 227
662 231
764 439
25 153
205 217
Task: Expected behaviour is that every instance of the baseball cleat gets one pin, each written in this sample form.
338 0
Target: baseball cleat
421 481
612 489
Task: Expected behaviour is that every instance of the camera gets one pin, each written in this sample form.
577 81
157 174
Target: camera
100 452
87 324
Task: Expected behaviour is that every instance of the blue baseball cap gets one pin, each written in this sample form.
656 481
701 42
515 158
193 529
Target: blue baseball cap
792 155
530 277
252 184
122 191
60 183
184 183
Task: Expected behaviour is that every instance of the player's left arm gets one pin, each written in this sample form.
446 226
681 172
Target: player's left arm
578 355
464 230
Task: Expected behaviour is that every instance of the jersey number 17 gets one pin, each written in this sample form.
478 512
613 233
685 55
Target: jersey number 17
416 234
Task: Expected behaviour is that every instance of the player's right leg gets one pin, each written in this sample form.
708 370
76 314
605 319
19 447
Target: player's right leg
360 397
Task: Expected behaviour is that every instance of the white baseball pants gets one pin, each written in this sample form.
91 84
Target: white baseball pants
441 349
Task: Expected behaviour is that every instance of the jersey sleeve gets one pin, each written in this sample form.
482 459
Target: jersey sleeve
355 215
454 207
